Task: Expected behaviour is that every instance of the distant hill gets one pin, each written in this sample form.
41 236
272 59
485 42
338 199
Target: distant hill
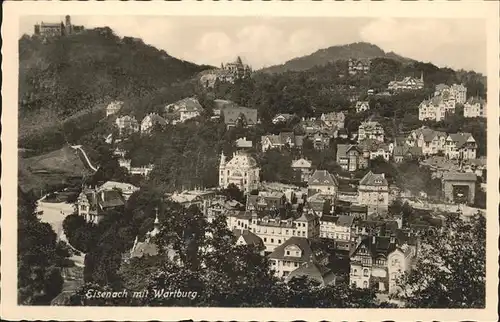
69 74
360 50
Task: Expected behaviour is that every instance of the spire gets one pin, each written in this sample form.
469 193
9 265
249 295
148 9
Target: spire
421 76
156 228
222 159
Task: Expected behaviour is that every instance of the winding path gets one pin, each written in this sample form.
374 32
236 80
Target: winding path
79 148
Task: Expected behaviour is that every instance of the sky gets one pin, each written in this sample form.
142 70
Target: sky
266 41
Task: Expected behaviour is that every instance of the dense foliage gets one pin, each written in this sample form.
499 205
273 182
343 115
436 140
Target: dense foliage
40 257
451 272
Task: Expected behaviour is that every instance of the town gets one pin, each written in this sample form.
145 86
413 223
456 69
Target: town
252 181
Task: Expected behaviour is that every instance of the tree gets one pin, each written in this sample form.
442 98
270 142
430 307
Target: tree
40 257
451 269
232 192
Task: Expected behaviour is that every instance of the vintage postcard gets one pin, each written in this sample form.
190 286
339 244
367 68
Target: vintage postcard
250 161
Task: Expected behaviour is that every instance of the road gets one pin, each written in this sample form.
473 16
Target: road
54 214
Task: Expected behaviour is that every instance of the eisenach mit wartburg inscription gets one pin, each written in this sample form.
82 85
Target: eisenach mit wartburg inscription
251 162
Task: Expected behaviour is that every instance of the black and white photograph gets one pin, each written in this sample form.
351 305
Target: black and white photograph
257 161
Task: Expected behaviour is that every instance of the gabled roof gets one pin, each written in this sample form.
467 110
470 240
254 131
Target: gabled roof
249 237
372 179
305 246
345 221
401 150
329 218
322 177
188 104
372 145
460 139
314 271
301 163
342 149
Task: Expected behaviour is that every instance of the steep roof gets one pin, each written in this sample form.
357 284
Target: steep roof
372 179
460 139
322 177
301 163
345 221
342 149
243 160
329 218
249 237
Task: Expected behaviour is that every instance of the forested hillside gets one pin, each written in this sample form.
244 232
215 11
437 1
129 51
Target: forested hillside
360 50
81 72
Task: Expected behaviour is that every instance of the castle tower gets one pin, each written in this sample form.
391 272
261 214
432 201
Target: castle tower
69 27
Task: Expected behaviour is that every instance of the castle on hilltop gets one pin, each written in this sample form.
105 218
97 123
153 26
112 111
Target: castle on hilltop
56 29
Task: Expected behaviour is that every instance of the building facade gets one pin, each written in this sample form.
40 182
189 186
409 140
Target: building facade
371 130
373 191
242 170
461 146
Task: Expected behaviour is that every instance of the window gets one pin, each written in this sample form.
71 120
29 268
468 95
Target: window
265 239
365 284
303 233
288 252
296 264
365 272
279 241
355 272
272 240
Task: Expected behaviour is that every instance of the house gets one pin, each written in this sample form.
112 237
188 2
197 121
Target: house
378 261
113 108
238 219
184 109
350 157
243 143
322 182
402 152
282 118
239 115
221 206
266 200
313 271
371 130
125 189
281 140
144 170
93 205
407 84
373 191
220 105
477 166
460 146
320 139
358 66
352 210
475 107
151 120
362 106
303 167
430 141
246 237
373 149
127 125
295 252
274 230
338 228
313 125
334 119
457 91
242 170
436 108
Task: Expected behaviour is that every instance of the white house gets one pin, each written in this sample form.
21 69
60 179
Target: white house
460 146
113 107
362 106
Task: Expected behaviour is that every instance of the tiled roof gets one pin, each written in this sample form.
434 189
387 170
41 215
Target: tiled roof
322 177
243 160
189 104
405 149
109 185
459 176
329 218
372 179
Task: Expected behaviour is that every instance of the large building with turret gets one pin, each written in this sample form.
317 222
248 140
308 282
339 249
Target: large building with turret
56 29
242 170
